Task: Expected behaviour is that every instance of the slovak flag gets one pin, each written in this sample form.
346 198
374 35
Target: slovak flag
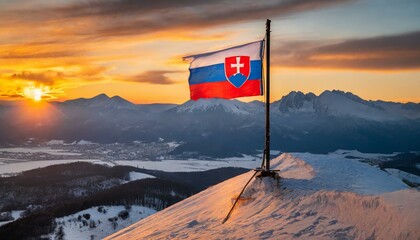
229 73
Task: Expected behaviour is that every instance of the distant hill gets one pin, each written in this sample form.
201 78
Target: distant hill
220 128
61 190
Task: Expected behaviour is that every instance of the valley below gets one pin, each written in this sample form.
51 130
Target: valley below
48 188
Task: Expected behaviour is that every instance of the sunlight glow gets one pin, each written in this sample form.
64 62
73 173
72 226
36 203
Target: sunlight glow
35 93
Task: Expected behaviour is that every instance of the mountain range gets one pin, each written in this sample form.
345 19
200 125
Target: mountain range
221 128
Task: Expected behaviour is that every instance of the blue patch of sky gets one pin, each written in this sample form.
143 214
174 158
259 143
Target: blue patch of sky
358 19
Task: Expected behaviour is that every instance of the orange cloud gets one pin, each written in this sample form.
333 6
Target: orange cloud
153 77
43 78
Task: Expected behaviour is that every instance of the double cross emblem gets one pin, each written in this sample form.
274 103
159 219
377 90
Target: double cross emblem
237 70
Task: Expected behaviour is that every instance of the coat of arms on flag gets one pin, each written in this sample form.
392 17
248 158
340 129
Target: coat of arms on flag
237 69
229 73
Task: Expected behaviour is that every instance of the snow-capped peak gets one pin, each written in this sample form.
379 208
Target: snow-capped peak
102 101
337 103
217 104
296 102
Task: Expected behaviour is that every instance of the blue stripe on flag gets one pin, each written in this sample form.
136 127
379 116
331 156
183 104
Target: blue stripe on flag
216 73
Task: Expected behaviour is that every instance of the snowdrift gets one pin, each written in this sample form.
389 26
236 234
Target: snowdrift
317 198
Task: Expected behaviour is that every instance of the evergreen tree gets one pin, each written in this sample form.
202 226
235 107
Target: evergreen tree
60 233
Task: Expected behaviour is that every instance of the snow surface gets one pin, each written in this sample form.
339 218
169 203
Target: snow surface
357 154
173 144
137 176
16 214
74 229
339 104
192 165
55 142
342 174
84 142
10 169
403 175
319 197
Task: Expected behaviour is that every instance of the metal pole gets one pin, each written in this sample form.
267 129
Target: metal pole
267 100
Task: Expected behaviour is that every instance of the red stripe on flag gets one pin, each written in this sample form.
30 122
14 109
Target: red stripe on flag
225 90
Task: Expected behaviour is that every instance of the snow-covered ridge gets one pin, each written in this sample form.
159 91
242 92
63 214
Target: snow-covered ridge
296 102
293 167
230 106
329 103
339 103
318 198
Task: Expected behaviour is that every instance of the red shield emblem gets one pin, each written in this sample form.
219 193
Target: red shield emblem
237 70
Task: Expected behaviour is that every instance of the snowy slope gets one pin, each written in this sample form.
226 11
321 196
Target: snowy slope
16 214
338 103
408 110
137 176
404 175
98 224
319 197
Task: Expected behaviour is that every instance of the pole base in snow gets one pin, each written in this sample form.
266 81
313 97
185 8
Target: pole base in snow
262 173
267 173
259 173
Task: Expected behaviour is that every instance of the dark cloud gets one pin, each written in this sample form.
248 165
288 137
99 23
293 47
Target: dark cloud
201 15
119 7
153 77
46 78
404 43
377 53
130 17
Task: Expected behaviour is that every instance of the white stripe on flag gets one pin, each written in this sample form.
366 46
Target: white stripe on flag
253 50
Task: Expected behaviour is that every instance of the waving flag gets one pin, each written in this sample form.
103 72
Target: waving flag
229 73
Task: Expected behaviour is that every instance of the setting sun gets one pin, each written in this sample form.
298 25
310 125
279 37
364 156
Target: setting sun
37 95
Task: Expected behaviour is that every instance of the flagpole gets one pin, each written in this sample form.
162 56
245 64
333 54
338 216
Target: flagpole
264 171
267 99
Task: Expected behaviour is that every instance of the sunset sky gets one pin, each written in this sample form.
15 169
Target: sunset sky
80 48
